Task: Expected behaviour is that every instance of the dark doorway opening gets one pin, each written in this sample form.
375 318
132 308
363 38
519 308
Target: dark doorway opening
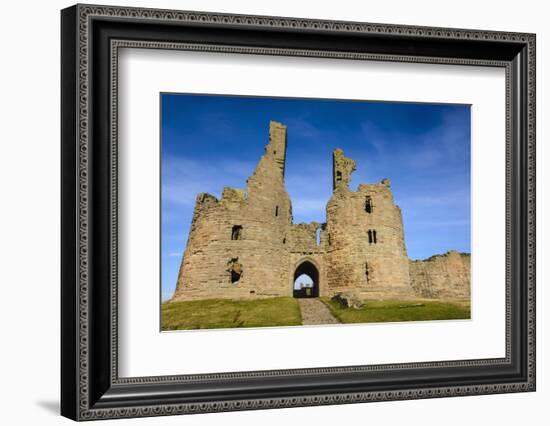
306 280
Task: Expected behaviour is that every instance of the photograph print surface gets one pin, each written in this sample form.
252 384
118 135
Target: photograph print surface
289 211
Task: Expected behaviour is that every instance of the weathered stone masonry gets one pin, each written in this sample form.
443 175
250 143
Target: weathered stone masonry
442 276
245 245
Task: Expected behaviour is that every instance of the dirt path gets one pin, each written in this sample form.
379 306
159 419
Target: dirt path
315 312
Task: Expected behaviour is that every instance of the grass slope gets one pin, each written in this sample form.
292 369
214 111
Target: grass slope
395 310
220 313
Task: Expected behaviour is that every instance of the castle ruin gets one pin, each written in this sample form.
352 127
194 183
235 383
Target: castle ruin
245 245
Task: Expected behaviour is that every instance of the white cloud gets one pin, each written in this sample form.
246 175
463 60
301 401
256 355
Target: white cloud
308 205
174 254
447 199
183 179
301 127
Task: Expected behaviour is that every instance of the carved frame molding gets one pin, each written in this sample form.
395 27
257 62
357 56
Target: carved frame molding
91 388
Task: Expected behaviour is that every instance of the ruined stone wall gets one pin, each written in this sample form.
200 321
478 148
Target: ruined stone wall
366 253
303 237
444 276
256 254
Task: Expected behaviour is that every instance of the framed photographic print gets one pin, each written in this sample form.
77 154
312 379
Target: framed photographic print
263 212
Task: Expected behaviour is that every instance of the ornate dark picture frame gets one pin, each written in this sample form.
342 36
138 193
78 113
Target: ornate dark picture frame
91 37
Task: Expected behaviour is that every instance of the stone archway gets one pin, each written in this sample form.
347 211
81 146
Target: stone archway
310 269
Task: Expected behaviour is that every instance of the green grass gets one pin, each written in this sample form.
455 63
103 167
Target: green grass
400 310
221 313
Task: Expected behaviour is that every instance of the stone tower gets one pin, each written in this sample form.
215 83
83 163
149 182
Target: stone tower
366 253
236 245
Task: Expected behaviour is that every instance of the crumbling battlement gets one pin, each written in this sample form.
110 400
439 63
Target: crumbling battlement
444 276
342 168
245 245
232 196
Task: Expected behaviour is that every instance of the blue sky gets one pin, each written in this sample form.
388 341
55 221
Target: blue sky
209 142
